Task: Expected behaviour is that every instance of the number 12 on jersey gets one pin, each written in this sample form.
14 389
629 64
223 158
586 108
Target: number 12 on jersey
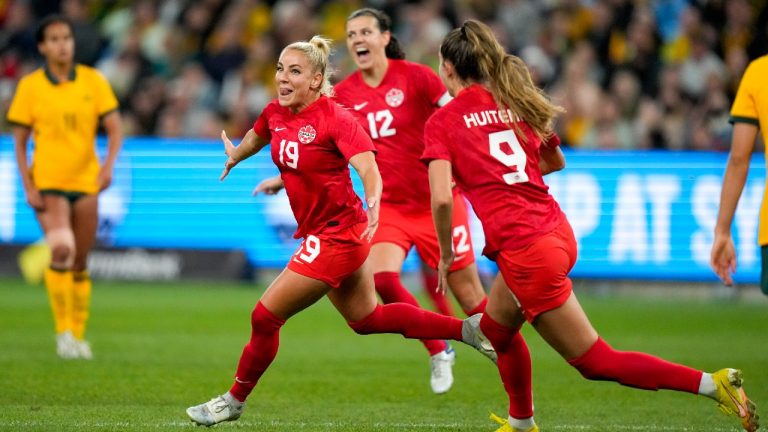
515 160
383 116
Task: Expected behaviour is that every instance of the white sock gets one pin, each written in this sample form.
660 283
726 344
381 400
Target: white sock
522 424
232 400
707 386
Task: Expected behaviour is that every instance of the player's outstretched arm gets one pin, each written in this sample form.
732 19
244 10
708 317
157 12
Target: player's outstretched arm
249 146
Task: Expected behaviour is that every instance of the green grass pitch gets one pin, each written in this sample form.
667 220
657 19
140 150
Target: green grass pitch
162 347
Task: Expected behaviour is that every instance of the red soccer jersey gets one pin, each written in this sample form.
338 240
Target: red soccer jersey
312 149
394 114
498 172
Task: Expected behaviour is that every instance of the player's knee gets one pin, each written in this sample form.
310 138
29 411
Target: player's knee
62 244
596 363
264 321
368 324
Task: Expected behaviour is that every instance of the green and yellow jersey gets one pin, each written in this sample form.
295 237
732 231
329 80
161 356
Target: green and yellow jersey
64 118
751 106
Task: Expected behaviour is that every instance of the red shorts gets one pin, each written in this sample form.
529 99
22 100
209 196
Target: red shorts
331 258
418 229
538 273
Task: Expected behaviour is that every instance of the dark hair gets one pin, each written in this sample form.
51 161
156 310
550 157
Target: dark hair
477 56
49 20
393 49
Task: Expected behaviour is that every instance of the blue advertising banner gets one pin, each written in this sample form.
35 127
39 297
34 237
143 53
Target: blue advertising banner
645 215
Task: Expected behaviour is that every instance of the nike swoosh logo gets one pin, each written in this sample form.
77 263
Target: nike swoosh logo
278 129
358 107
737 402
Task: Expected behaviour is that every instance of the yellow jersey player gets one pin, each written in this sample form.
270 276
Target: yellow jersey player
748 114
61 106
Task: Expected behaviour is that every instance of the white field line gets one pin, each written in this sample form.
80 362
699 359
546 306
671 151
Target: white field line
32 425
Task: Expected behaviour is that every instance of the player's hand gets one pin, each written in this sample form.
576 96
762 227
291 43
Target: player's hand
229 150
105 178
34 199
723 258
373 218
270 186
443 268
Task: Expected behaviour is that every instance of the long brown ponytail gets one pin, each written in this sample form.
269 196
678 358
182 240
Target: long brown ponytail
476 54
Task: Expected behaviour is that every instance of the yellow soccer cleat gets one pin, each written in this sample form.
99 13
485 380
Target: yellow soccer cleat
732 400
506 427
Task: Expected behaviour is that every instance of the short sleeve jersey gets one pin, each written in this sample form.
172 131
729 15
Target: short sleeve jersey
312 149
64 118
497 170
394 114
751 106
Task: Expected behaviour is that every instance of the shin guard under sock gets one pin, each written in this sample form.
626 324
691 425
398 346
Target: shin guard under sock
391 290
409 321
514 362
259 353
635 369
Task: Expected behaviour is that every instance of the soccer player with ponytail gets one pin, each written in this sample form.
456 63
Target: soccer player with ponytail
392 98
492 138
313 141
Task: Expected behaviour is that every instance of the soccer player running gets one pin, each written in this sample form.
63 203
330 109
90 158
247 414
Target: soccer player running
489 139
749 110
313 140
61 106
392 98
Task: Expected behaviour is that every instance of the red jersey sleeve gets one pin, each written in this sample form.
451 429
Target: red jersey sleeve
435 140
553 141
349 136
261 125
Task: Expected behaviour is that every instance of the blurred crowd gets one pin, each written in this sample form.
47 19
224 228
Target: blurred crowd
653 74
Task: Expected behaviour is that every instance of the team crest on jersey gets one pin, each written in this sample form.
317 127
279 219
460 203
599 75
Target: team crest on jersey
395 97
307 134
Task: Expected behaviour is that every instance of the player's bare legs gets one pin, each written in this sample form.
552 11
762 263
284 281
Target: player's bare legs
386 257
55 221
85 219
355 299
466 286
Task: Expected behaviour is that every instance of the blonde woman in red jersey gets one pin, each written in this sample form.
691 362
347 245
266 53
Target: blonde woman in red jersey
392 98
313 140
492 140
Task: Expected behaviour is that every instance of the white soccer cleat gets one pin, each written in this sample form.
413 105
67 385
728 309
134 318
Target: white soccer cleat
66 347
473 336
215 411
83 349
441 365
